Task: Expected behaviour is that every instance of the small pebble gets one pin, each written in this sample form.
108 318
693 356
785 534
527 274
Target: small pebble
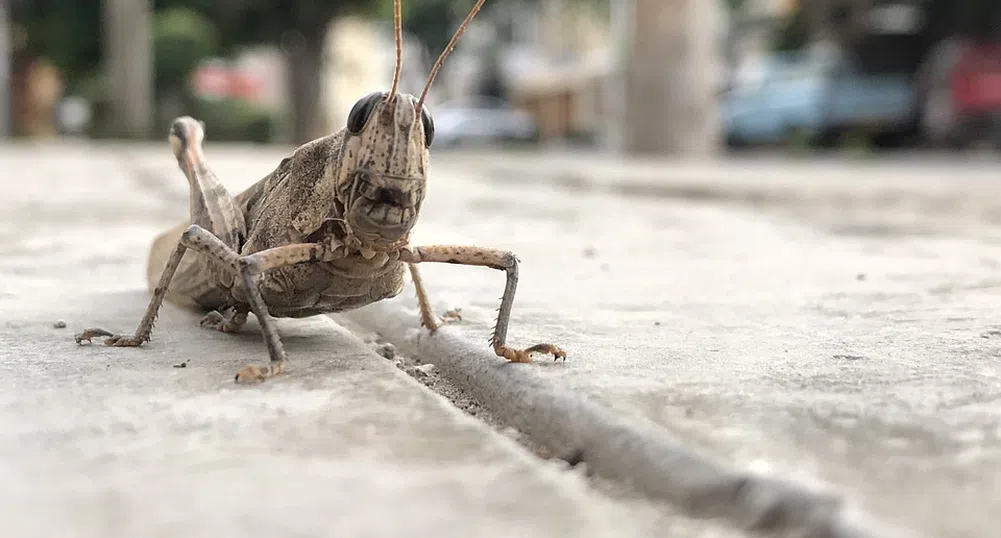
387 350
422 371
590 252
512 433
59 324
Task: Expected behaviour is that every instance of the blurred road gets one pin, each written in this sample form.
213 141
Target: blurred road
829 322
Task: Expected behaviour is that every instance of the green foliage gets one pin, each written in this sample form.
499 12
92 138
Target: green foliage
272 21
67 32
229 120
430 21
794 33
181 39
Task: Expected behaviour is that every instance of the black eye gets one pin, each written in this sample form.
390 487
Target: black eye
428 126
360 113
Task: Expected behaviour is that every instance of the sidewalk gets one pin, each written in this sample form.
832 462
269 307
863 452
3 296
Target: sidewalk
104 442
828 343
841 349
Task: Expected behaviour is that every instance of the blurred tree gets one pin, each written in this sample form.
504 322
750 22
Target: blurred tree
182 38
793 33
434 21
300 29
68 33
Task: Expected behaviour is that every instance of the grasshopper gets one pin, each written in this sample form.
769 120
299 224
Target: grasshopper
327 231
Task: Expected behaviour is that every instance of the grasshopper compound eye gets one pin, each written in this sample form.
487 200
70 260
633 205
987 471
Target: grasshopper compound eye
428 122
361 111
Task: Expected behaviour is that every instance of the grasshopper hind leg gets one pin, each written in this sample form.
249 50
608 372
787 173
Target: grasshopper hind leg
216 229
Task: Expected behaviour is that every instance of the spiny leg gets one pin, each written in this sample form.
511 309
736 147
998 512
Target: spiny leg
495 259
251 268
427 313
196 238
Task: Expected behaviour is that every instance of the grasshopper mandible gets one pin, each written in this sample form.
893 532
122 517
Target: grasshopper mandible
327 231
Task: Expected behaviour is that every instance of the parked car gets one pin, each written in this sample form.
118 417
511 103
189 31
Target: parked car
482 120
960 93
817 98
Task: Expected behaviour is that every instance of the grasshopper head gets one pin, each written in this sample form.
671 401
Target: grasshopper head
385 160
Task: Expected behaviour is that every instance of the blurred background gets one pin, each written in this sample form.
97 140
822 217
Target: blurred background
669 77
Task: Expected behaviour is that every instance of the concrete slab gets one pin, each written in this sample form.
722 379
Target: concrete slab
851 350
103 442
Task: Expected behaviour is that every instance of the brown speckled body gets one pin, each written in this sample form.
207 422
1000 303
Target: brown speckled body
269 208
327 231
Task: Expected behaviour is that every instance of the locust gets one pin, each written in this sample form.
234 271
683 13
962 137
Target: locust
327 231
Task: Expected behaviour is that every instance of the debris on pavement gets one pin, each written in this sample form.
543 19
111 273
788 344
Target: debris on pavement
385 349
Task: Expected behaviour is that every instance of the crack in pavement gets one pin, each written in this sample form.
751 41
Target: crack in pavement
640 455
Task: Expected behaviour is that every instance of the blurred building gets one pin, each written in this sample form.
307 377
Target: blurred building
5 61
557 66
553 58
361 55
564 62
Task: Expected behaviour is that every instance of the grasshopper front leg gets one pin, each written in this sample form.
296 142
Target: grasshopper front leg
484 257
251 268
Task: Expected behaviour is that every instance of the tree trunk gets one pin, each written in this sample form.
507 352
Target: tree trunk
305 86
671 79
128 65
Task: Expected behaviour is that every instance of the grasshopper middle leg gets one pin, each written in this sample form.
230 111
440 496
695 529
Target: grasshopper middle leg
427 316
484 257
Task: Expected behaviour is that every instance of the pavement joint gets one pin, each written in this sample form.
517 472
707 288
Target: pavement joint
619 448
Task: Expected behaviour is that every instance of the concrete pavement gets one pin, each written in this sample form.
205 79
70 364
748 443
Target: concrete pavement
836 343
830 339
103 442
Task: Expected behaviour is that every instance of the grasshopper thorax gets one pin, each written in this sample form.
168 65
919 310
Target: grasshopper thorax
384 167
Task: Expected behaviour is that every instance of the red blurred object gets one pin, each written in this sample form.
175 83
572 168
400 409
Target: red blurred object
976 78
216 81
960 85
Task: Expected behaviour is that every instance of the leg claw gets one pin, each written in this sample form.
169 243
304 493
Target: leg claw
121 340
212 320
452 316
257 374
89 334
551 349
216 321
525 355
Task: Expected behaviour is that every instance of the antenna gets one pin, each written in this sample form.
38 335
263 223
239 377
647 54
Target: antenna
398 28
448 49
